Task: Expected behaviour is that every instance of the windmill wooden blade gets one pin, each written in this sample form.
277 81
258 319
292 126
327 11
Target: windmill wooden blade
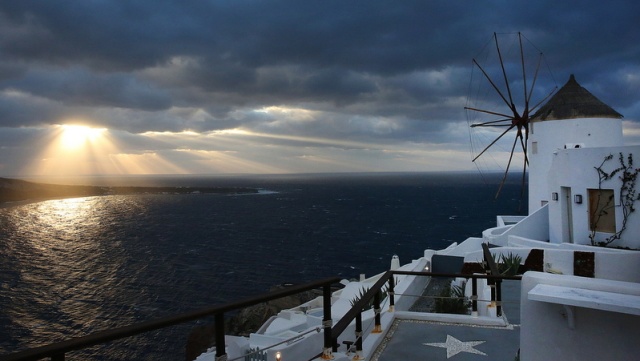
492 83
492 143
506 172
487 112
493 123
504 73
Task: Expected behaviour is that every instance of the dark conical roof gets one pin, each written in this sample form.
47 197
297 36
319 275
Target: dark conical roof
573 101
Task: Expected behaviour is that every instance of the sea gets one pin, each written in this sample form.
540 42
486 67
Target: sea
72 267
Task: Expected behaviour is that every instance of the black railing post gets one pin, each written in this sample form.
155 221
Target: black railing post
492 286
493 271
358 355
376 308
221 353
498 283
474 295
326 322
391 294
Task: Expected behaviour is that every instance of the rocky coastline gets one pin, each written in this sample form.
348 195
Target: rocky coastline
16 190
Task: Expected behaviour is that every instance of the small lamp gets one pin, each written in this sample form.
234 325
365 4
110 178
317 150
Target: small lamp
554 196
578 198
278 356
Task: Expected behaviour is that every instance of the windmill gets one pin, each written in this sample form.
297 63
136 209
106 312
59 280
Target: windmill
505 94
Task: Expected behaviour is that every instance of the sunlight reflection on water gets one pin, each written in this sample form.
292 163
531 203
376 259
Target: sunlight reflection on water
76 266
72 267
71 272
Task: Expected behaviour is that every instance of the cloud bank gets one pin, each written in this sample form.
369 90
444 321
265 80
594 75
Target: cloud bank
286 86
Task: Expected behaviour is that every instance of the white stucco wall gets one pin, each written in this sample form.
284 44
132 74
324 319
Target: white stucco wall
574 169
598 335
622 266
552 135
534 226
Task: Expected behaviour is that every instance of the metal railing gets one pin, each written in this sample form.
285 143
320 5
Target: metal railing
375 292
57 351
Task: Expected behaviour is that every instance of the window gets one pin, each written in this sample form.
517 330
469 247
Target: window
602 211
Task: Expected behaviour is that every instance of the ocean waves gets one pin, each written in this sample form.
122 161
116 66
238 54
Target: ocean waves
71 267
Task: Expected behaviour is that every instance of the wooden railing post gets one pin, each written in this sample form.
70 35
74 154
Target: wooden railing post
391 294
221 353
498 297
359 335
327 323
376 308
493 271
474 296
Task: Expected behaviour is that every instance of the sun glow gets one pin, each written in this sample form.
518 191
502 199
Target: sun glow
71 150
77 136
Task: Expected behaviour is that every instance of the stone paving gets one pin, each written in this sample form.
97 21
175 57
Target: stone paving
427 340
424 340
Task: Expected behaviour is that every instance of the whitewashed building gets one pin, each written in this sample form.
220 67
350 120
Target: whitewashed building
572 136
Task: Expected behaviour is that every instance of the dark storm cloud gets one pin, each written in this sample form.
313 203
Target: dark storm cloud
80 87
377 71
104 35
20 109
330 43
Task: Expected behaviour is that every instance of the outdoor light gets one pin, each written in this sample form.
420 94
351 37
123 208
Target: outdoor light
578 198
554 196
278 356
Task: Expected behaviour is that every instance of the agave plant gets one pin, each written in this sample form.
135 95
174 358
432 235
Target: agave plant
509 265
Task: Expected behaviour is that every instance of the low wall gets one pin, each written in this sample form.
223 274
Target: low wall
535 226
478 256
597 335
469 245
610 263
508 220
618 266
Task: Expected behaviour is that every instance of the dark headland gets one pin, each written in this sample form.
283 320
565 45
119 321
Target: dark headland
15 190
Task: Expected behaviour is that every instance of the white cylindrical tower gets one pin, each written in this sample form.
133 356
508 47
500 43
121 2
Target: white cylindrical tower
572 118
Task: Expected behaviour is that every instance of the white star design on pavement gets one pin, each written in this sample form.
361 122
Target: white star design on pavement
455 346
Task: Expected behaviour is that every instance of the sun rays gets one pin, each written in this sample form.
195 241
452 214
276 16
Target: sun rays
76 149
72 149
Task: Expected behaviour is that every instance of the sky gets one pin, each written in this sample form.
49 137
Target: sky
228 87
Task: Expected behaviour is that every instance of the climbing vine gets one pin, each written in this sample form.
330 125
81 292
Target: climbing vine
626 197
